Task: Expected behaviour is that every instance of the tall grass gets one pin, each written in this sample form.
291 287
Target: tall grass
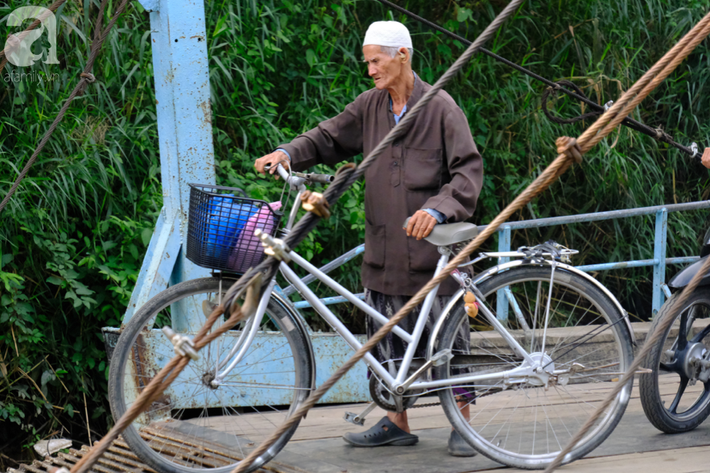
73 237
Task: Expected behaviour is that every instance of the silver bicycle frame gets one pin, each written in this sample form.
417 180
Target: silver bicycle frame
527 370
244 342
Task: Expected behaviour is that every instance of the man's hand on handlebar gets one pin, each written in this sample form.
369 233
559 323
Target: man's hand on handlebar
706 158
272 160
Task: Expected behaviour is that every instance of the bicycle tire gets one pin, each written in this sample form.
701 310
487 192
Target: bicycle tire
694 412
512 441
194 427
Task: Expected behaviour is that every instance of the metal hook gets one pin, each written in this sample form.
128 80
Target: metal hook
694 149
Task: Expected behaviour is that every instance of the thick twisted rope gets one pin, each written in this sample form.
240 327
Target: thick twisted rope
648 345
345 179
659 72
628 121
592 136
571 151
342 182
85 78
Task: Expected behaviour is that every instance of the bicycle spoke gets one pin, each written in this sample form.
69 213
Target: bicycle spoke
524 422
200 425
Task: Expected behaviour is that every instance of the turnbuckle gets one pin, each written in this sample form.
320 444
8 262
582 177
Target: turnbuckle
695 150
182 344
273 246
316 203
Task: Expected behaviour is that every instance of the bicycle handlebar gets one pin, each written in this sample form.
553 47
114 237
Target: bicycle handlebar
319 178
308 177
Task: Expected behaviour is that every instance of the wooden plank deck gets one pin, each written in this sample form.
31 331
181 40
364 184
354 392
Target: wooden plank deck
635 445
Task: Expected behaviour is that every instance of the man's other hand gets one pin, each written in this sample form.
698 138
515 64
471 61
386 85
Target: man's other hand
273 159
420 225
706 158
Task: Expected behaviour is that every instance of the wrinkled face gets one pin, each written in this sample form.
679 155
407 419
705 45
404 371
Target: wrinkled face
383 69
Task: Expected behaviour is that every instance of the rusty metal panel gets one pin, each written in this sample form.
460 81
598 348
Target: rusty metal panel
330 350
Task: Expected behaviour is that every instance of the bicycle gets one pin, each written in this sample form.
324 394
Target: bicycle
676 394
534 378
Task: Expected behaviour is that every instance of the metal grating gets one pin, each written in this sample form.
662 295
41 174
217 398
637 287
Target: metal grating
118 459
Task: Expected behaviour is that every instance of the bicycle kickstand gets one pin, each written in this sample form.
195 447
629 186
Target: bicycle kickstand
359 419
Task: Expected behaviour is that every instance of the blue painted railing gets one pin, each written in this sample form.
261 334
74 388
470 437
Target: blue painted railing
659 261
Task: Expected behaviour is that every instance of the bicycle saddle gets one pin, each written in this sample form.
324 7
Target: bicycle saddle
446 234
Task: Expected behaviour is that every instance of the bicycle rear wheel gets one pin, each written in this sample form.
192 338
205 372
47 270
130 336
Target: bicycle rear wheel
197 425
514 421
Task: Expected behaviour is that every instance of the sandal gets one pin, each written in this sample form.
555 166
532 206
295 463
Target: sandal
383 433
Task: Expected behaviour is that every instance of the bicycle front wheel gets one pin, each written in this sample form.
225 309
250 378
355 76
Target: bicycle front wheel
584 347
200 423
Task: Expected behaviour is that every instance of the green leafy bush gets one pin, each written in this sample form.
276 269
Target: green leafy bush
72 239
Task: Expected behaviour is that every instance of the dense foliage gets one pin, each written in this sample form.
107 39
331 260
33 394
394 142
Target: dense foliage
73 237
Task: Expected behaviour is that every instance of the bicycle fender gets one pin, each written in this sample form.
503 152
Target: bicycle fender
680 280
287 306
440 323
512 264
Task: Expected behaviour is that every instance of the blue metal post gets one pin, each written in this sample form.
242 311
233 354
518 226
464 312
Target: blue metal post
502 300
185 132
659 256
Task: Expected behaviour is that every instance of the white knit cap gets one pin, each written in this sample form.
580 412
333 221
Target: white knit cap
388 33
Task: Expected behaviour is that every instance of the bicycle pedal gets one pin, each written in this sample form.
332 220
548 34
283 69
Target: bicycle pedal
359 419
354 418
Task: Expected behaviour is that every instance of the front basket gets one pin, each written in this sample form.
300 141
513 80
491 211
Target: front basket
221 226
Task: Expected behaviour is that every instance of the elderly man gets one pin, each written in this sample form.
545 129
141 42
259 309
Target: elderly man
433 174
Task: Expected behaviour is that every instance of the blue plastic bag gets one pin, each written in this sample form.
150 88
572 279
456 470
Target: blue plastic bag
226 220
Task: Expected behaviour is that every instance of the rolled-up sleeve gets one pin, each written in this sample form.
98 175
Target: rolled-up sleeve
457 198
332 141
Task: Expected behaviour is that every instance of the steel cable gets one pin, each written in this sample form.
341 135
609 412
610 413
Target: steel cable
343 181
607 122
629 122
656 75
85 76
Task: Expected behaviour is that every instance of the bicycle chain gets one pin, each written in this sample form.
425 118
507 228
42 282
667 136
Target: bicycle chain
431 404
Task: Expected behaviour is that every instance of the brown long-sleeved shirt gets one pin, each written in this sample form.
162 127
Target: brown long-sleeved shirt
435 165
